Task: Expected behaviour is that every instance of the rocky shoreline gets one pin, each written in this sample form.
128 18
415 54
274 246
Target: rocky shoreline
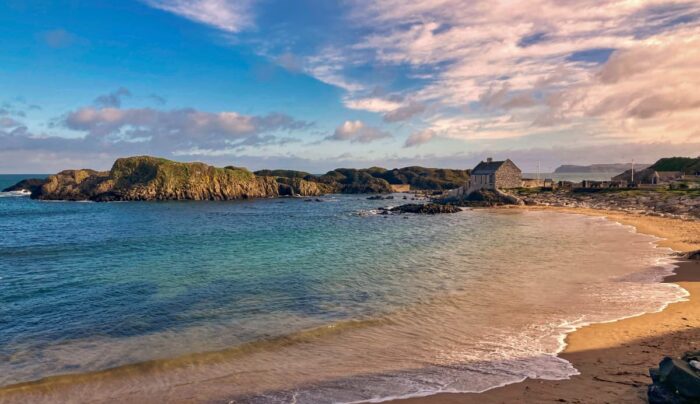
652 202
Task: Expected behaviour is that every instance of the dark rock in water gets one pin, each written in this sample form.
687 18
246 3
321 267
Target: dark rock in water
660 394
485 198
693 255
379 197
428 208
30 184
675 380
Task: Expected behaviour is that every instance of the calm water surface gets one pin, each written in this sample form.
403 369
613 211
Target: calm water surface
286 300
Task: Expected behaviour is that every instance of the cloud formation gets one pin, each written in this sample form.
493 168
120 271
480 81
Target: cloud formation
357 132
227 15
113 99
176 128
404 112
621 69
419 138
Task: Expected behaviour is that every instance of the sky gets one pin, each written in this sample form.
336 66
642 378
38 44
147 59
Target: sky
319 84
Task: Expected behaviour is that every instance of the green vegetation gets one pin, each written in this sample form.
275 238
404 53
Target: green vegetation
352 181
285 174
687 165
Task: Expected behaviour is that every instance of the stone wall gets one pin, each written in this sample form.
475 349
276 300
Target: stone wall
508 176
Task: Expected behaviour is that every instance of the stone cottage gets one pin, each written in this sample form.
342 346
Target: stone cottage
495 174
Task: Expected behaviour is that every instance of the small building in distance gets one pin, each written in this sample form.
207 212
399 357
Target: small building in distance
492 175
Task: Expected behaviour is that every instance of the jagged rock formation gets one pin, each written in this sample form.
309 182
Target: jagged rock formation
299 186
676 380
30 184
682 204
426 209
483 198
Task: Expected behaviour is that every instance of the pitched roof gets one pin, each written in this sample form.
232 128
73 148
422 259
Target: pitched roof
487 167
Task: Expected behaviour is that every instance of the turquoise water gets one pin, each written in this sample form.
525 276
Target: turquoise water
287 299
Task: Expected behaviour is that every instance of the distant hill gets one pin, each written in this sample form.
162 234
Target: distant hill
599 168
378 179
688 165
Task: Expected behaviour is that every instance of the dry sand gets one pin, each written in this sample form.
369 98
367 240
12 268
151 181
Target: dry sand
614 358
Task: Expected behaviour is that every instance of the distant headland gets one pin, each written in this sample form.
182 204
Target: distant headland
599 168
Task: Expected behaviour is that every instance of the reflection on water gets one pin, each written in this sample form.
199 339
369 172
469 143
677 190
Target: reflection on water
280 300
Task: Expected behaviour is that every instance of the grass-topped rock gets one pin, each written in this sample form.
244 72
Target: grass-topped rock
151 178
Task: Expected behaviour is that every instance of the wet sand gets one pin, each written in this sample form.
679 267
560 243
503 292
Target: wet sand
614 358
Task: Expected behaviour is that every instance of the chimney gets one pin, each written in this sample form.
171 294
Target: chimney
489 159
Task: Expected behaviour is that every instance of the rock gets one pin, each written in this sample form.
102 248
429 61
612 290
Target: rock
485 198
150 178
660 394
428 208
693 255
675 381
299 186
30 184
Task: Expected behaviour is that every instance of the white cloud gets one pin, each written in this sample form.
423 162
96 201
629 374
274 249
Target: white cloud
543 58
372 104
357 132
227 15
419 138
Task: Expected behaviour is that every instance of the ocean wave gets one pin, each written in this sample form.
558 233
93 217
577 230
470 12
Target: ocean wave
14 194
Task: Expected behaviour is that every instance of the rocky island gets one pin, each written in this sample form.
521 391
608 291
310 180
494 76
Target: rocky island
144 178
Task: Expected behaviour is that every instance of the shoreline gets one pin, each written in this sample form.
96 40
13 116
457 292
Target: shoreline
613 357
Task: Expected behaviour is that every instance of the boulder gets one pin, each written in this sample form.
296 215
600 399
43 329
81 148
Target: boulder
675 381
428 208
693 255
30 185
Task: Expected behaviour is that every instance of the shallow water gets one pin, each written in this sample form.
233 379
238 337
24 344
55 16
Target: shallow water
282 300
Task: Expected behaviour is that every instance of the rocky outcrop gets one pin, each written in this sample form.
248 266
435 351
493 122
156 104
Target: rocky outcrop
426 209
483 198
676 380
30 185
652 202
295 186
150 178
73 185
693 255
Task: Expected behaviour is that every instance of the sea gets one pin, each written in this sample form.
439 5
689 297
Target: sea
303 300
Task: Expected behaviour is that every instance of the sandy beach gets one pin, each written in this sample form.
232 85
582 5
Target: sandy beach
614 358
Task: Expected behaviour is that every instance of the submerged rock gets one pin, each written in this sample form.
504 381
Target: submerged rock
428 208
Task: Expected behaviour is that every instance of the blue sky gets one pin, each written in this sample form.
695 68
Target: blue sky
316 85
